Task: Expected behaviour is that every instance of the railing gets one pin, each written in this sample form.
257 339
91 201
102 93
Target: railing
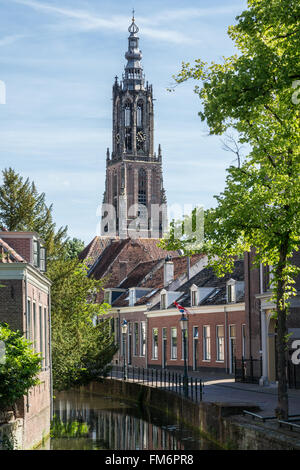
248 370
191 387
293 375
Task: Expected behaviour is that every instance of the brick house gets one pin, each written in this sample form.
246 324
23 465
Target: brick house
216 323
261 325
131 300
25 306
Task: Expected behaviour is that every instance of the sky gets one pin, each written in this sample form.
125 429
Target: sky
58 60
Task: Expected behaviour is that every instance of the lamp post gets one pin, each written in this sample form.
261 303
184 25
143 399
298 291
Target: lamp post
124 332
184 325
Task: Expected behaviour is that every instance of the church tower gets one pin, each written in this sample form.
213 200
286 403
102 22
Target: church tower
134 182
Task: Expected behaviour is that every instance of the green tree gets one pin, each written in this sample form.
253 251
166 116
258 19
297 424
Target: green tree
19 367
23 208
81 346
73 248
255 93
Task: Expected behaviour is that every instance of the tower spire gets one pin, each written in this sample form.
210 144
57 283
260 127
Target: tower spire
133 78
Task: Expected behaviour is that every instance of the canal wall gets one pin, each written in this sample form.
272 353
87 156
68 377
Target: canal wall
11 431
222 423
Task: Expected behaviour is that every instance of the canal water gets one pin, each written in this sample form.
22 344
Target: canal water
90 422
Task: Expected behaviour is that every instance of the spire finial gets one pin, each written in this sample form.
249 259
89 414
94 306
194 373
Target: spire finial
133 12
133 29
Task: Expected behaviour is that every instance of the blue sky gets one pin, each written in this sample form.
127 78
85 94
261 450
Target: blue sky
58 60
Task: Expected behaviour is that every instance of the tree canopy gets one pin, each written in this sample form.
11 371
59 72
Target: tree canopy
19 367
23 208
254 93
82 345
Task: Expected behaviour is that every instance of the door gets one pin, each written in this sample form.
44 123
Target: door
164 348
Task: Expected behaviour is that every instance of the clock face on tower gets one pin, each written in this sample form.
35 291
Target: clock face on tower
141 137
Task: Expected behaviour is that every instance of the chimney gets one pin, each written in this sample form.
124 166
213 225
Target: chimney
168 271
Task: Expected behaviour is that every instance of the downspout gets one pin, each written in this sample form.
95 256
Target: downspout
249 306
27 326
50 355
226 341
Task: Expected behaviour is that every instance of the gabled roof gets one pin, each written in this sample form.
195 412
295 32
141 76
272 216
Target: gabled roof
150 275
8 254
207 278
145 249
93 250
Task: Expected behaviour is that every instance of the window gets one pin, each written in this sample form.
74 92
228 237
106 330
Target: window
229 293
142 197
139 115
127 117
29 333
36 253
163 301
34 326
173 343
46 336
206 343
43 266
220 343
194 298
136 339
243 341
41 333
143 339
155 343
182 344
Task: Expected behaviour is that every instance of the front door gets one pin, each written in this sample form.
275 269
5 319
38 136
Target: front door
195 347
232 347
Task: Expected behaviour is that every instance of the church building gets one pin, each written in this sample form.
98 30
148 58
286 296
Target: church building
134 198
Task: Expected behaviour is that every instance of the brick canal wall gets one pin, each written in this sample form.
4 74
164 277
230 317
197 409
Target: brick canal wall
222 423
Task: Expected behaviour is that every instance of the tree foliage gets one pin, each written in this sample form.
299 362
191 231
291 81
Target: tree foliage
19 367
73 248
255 93
23 208
81 347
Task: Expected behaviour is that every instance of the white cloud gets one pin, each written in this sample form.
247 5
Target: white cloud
85 21
7 40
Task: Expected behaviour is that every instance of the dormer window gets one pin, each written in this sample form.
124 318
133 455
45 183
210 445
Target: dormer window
163 300
234 290
194 296
39 256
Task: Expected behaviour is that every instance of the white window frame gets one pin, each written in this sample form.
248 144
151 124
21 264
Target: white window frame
154 345
220 345
206 342
171 356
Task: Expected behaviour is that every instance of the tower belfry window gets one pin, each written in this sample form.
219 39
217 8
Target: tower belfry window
139 115
127 115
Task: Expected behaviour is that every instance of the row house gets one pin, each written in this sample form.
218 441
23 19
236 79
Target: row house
130 302
215 314
25 306
261 321
216 319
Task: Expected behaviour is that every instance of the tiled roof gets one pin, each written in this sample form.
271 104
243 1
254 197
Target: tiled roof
94 249
207 278
8 254
148 246
150 275
108 255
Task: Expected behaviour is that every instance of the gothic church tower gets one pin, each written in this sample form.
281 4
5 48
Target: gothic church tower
134 181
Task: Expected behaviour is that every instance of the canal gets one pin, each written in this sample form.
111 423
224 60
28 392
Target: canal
90 422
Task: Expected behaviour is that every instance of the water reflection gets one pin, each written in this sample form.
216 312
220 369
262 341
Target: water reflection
114 425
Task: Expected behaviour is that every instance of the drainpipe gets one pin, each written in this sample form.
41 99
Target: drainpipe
249 306
27 326
264 331
226 341
50 355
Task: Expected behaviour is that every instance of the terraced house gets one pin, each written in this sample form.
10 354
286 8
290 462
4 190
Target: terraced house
25 306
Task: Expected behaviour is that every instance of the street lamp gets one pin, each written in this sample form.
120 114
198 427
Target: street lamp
184 325
124 327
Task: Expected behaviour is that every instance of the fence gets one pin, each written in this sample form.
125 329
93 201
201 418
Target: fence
293 375
190 387
248 370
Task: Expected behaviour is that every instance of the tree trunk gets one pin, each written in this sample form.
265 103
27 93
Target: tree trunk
282 410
